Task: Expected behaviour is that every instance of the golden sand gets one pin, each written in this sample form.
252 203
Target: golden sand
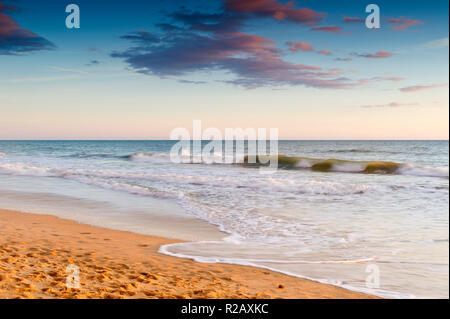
35 251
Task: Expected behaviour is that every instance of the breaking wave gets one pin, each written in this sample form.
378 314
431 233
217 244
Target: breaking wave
347 166
284 162
292 162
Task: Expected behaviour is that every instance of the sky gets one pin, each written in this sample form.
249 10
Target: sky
139 69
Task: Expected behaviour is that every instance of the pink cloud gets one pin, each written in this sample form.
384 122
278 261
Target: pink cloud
299 46
253 60
330 29
275 9
8 26
402 23
392 104
418 88
396 79
325 52
382 54
352 20
392 78
215 42
16 40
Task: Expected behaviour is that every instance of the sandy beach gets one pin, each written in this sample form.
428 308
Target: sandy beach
35 251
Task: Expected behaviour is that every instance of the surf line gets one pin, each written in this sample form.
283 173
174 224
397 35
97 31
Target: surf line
356 261
164 250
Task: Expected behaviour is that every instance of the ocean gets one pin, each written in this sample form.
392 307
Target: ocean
370 216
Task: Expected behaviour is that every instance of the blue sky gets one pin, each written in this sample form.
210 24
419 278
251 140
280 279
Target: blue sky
138 69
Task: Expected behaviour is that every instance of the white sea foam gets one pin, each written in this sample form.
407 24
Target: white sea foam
349 168
166 250
410 169
28 170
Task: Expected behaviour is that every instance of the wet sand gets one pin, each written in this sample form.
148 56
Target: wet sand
35 251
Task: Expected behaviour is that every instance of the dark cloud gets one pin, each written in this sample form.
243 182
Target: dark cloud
208 22
168 27
142 37
7 8
93 62
254 60
195 41
15 40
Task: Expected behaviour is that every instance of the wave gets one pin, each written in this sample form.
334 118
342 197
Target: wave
85 155
293 162
186 158
147 157
137 156
27 170
165 249
348 166
353 150
283 162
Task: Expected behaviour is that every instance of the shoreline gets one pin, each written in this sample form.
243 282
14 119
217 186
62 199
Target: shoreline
36 249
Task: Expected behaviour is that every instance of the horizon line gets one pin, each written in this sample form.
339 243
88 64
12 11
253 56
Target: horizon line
132 140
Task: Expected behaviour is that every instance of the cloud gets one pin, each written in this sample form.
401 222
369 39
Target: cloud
299 46
396 78
274 9
418 88
347 59
191 82
403 23
141 36
295 46
391 78
191 42
352 20
67 70
378 55
392 104
204 22
437 44
7 8
208 42
15 40
325 52
93 62
330 29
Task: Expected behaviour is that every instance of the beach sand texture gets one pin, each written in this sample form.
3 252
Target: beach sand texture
35 251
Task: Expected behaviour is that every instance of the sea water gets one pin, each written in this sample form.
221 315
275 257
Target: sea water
370 216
